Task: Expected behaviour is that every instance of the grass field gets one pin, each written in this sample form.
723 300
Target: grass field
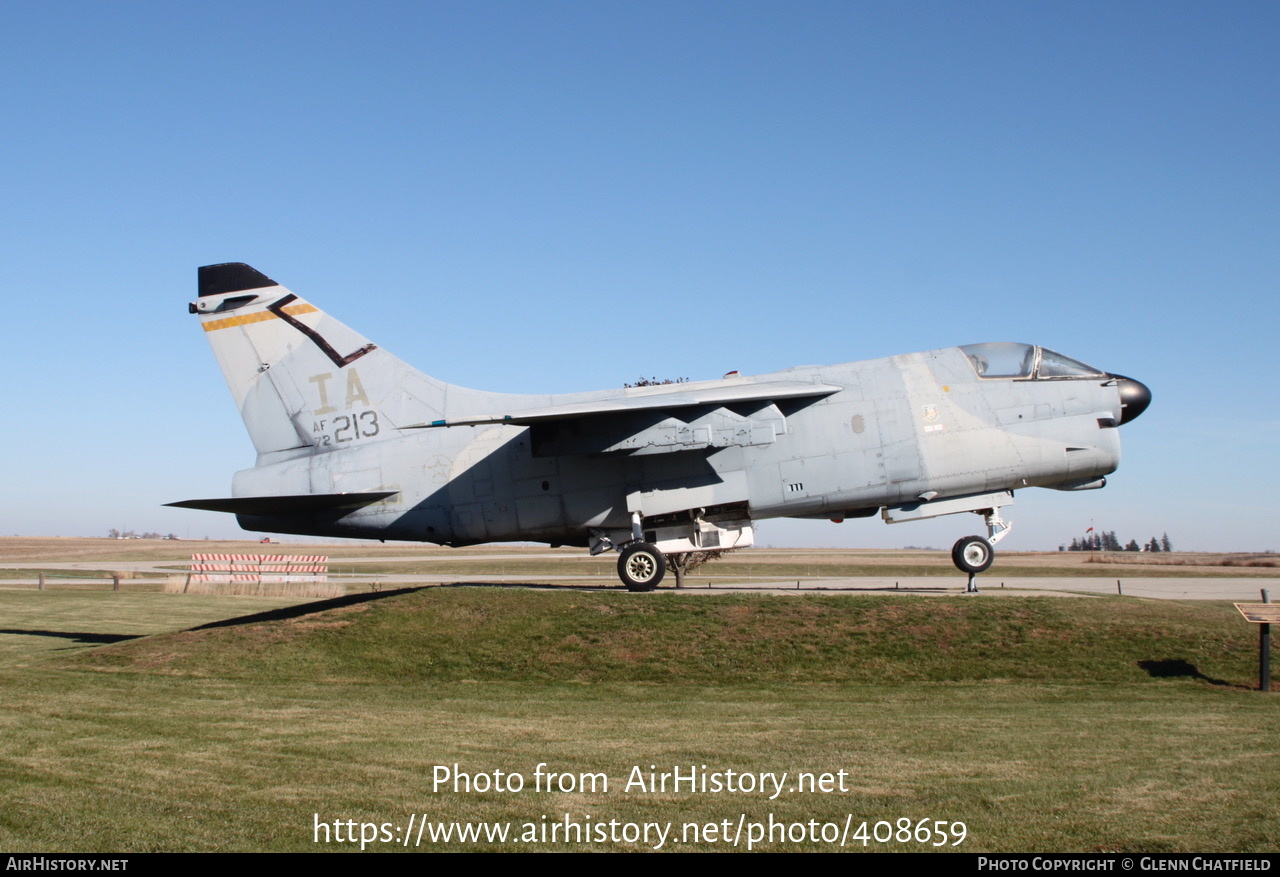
1040 723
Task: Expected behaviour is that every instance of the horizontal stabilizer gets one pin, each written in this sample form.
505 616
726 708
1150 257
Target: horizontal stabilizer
285 505
674 398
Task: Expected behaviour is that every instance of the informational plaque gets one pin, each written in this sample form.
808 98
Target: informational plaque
1260 613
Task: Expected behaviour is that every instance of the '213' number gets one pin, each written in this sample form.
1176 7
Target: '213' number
350 428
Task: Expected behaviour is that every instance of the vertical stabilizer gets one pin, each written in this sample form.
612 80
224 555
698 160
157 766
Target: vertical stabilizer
304 382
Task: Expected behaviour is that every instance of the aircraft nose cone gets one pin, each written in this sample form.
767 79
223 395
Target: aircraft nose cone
1134 397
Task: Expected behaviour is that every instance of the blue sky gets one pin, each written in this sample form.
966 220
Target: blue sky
560 196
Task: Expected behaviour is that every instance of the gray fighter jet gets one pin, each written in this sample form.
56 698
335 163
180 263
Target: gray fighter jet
353 442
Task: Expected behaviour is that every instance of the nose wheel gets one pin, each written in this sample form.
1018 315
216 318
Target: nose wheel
974 554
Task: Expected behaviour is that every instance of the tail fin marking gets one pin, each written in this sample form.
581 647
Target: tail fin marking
284 360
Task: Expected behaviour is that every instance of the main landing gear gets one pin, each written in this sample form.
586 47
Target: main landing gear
641 566
974 554
648 548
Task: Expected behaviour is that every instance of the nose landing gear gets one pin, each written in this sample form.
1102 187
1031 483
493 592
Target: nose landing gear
974 554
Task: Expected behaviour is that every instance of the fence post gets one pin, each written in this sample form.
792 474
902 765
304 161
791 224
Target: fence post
1264 650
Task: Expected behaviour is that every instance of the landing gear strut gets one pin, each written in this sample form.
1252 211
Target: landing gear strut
974 554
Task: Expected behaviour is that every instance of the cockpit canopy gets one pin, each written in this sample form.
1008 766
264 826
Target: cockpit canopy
1011 360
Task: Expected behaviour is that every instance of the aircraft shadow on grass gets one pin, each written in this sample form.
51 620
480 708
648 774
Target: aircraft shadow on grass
80 637
302 609
1172 668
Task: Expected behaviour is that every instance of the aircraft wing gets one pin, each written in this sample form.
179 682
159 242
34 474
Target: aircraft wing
671 397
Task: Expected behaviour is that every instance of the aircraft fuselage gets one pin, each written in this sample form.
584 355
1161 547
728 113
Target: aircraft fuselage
899 427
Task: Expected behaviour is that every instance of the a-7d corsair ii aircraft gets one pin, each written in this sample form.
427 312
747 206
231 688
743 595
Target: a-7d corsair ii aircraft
353 442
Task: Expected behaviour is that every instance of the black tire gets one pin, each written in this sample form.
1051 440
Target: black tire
641 566
973 554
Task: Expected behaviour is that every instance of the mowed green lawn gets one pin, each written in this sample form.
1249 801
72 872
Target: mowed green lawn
1042 724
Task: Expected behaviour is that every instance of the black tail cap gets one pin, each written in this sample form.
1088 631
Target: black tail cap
231 277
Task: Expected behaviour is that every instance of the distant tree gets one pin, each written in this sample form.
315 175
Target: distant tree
1107 540
687 562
